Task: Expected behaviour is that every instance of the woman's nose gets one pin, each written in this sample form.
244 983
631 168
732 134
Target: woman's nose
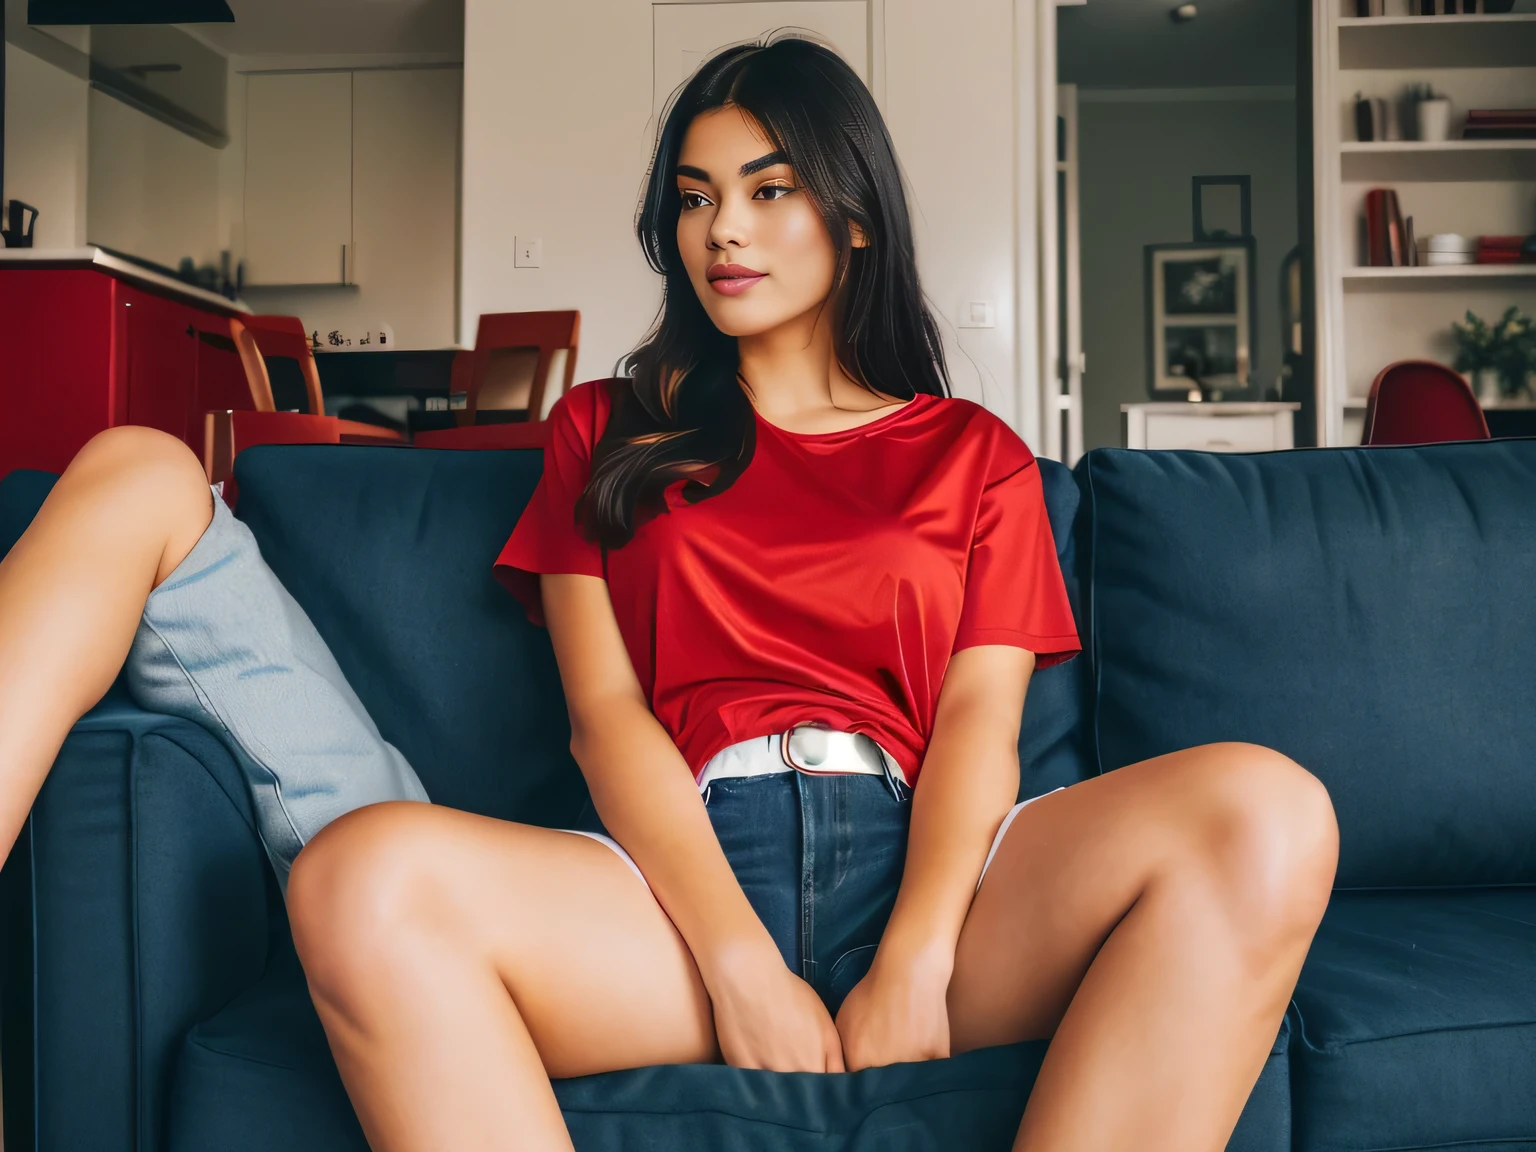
729 225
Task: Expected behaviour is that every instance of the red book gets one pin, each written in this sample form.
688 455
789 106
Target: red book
1379 211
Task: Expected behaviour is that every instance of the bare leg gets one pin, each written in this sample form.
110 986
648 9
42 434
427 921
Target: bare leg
457 962
1152 922
127 510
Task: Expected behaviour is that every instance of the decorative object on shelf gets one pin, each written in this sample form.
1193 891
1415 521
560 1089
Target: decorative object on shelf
1500 124
1200 317
1502 354
1206 198
1429 114
1384 231
1376 119
17 231
1447 248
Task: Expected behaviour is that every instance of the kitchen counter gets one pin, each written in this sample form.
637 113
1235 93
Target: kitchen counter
122 269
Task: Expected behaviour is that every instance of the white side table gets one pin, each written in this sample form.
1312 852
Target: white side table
1217 426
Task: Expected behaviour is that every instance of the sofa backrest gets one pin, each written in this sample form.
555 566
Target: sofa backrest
1369 612
390 551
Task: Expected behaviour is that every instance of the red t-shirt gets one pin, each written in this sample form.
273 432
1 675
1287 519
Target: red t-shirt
829 585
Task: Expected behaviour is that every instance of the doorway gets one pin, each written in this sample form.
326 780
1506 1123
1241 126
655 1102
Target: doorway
1183 201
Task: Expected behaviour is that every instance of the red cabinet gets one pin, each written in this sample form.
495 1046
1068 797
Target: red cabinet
82 350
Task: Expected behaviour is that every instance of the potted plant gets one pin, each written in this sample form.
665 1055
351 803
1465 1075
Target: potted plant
1498 357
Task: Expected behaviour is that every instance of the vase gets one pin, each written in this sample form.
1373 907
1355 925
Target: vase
1485 382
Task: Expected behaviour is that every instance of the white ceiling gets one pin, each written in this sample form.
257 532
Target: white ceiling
1135 44
338 27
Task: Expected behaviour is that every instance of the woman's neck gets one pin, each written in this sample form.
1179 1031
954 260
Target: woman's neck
794 374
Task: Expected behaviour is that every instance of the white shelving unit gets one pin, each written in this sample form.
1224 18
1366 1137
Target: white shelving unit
1369 317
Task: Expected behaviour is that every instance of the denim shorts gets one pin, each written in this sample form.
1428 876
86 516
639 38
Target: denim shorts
820 860
222 644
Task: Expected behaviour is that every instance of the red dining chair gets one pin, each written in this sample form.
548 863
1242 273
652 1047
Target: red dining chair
1421 402
507 374
507 346
226 434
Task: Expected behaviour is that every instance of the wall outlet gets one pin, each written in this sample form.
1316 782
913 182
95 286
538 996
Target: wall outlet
978 314
528 251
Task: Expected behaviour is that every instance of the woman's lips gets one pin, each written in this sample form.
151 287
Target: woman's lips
736 285
733 279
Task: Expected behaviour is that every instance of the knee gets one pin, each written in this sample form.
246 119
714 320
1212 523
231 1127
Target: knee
143 464
1268 837
132 449
362 893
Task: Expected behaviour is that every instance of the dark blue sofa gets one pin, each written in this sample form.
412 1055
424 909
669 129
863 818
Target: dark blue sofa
1367 611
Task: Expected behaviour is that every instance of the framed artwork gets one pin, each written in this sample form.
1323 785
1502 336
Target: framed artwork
1200 305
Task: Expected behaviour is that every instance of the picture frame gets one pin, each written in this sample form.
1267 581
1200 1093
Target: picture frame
1201 308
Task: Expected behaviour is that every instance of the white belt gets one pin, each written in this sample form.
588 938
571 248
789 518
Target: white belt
815 751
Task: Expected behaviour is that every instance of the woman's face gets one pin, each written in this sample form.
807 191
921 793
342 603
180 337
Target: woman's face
754 245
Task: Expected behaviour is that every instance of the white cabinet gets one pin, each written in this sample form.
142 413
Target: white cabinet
1210 427
298 178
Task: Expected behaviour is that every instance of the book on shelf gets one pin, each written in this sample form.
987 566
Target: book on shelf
1500 124
1501 249
1384 230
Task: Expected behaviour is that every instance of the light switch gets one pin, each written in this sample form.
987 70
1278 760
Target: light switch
978 314
529 252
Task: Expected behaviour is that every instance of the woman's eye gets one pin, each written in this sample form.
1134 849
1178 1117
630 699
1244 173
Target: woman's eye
693 200
774 191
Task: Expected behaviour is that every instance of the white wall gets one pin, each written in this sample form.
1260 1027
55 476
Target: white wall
562 160
45 146
1136 159
154 191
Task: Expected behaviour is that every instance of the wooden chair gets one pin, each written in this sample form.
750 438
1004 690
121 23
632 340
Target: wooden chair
486 391
228 433
1421 402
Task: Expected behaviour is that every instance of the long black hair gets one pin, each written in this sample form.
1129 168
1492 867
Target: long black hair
683 413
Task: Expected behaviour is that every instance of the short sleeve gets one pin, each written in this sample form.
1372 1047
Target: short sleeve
546 538
1014 593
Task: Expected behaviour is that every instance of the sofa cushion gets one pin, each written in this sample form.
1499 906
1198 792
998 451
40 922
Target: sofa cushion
390 552
259 1076
1361 610
22 493
1417 1027
1054 741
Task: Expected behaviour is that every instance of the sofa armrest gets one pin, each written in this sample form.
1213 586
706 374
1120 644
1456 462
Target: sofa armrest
136 904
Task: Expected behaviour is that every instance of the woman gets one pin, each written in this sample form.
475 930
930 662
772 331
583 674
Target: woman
796 594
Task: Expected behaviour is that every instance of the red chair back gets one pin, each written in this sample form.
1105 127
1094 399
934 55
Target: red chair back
545 332
276 336
1421 402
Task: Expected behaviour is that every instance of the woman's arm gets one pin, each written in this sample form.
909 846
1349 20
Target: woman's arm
969 780
644 793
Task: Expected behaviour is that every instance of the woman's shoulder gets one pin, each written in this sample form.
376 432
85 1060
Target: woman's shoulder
582 412
977 426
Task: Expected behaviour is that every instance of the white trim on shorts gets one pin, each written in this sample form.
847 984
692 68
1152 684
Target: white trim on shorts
1003 831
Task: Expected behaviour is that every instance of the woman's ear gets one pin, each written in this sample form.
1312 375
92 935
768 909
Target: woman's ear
857 235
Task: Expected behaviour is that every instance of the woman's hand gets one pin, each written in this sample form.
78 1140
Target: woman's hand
896 1014
767 1017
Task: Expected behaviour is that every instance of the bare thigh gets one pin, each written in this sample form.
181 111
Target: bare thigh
1074 863
597 972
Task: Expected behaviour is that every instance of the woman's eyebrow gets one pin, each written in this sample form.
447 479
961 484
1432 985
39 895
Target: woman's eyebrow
746 169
